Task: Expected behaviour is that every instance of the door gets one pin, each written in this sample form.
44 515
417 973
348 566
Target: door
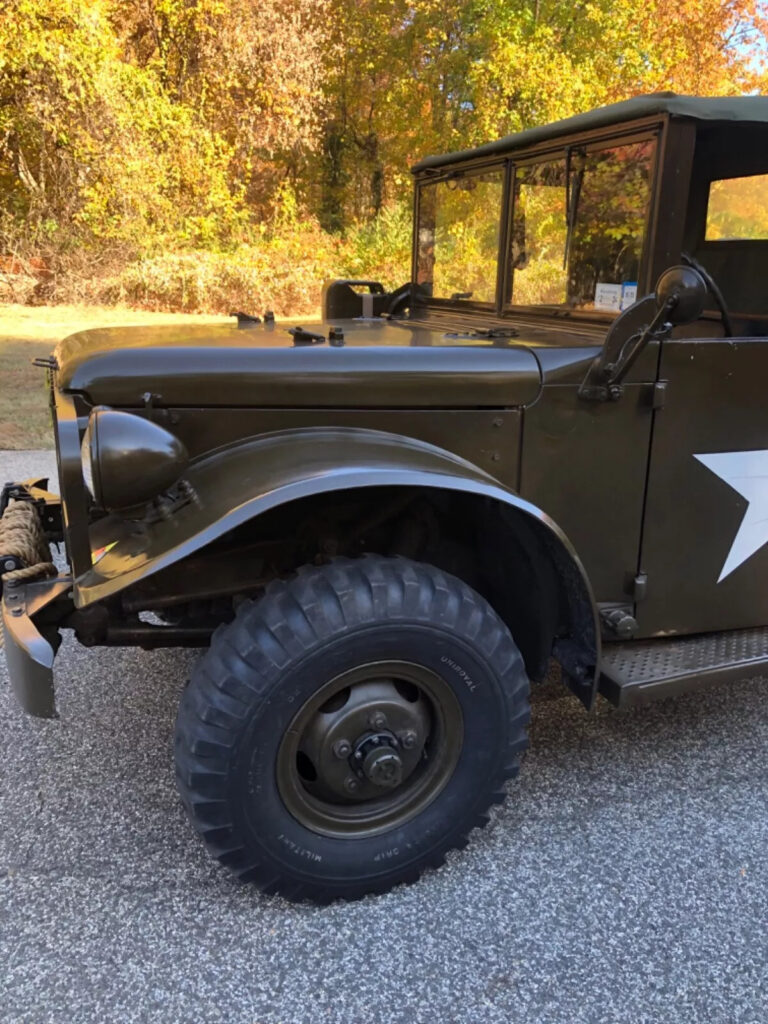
705 529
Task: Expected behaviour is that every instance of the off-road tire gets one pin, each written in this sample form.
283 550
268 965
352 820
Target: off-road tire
279 650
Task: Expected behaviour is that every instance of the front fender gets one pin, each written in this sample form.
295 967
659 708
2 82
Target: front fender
240 481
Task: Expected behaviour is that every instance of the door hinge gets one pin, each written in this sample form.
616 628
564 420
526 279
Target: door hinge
659 397
640 586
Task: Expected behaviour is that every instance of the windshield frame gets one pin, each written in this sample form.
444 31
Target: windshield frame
654 128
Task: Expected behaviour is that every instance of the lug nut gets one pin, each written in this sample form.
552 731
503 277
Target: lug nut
351 784
378 720
342 749
408 739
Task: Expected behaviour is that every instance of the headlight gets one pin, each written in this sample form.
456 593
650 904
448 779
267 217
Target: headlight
127 460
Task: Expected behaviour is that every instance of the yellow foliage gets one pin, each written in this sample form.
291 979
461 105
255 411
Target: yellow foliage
184 152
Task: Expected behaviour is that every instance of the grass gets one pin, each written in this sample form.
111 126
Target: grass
24 417
29 332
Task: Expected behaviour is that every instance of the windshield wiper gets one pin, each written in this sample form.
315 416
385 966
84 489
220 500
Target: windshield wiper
489 333
572 196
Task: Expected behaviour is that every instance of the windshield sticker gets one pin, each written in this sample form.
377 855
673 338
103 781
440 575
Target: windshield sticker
628 294
608 296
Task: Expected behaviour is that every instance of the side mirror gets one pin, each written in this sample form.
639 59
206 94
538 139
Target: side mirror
681 293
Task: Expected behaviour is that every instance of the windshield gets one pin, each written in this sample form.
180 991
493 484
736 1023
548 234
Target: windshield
458 238
578 228
577 233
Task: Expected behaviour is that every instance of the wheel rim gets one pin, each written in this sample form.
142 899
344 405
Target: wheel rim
370 750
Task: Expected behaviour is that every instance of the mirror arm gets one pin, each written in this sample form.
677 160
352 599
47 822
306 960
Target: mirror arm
603 382
657 330
678 299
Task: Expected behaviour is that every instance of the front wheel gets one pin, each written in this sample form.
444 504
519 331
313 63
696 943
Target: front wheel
350 727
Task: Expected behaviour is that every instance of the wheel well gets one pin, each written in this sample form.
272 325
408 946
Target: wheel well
514 560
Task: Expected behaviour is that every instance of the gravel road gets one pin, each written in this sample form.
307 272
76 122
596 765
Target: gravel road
625 879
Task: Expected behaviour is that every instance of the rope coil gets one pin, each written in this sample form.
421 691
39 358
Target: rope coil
22 537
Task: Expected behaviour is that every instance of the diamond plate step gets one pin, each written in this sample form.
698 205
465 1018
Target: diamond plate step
643 670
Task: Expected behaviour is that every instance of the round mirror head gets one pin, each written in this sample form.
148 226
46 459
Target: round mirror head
686 287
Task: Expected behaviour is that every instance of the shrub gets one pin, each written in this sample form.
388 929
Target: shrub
282 269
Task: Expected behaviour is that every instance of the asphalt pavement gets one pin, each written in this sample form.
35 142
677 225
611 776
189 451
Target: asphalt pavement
624 880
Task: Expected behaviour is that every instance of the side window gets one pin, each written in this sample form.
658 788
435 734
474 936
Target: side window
579 227
737 209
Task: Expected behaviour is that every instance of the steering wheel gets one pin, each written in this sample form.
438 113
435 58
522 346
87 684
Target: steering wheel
714 291
399 300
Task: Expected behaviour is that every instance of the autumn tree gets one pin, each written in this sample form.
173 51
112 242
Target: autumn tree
399 89
426 76
251 73
545 60
92 147
144 126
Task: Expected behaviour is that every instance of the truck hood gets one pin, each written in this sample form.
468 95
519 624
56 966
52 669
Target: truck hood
388 364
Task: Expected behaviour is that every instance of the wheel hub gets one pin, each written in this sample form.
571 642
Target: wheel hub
367 739
369 748
379 760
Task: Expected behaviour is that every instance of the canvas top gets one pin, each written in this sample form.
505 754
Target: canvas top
699 108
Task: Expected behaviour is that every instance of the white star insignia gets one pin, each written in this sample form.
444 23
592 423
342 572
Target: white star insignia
746 473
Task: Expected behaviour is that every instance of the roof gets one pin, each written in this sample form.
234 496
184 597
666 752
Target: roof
700 108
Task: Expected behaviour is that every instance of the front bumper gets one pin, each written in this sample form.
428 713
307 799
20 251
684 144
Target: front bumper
29 653
29 619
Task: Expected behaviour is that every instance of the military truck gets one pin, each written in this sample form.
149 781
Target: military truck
549 447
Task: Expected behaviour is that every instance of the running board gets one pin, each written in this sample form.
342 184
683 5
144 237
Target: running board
642 670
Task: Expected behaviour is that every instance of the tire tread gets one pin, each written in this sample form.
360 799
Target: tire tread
291 619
